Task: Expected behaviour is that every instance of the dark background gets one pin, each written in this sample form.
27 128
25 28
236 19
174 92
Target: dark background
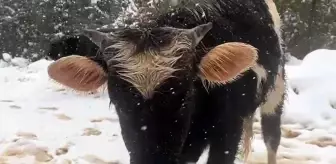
27 26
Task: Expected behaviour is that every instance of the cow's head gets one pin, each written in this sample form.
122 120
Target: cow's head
152 61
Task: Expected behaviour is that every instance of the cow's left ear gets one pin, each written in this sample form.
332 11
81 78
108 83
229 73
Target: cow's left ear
226 62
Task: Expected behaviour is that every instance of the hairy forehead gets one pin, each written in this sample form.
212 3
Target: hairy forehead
132 33
148 38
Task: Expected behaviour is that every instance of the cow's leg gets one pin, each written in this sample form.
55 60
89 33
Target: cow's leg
195 143
197 140
198 135
271 112
270 124
232 104
224 144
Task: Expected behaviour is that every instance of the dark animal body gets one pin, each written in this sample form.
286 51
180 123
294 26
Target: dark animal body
69 45
75 44
169 116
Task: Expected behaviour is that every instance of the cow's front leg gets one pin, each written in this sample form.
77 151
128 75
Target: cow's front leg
154 137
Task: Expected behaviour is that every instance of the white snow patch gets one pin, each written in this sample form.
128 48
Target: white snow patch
16 61
314 79
292 60
20 62
6 57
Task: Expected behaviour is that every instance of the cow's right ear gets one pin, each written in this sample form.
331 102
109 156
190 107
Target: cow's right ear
78 73
226 62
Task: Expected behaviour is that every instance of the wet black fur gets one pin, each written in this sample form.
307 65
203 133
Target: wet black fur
71 45
75 44
183 118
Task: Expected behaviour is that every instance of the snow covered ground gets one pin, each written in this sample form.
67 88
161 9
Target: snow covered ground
42 123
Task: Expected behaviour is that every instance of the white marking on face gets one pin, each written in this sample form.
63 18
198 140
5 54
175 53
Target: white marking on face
148 70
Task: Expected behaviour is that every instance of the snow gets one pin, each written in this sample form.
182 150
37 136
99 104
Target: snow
16 61
6 57
310 111
41 122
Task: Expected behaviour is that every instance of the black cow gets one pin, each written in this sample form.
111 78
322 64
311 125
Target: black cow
167 112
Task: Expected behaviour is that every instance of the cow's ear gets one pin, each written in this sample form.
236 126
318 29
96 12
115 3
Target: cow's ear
102 40
226 62
197 33
78 73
